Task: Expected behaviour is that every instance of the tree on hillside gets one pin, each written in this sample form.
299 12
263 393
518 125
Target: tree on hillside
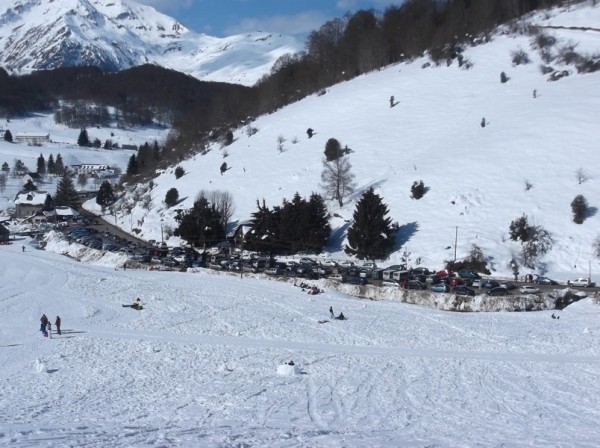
202 225
132 166
371 235
29 186
337 179
172 197
19 168
106 195
263 235
333 149
66 195
82 180
2 182
41 165
50 166
59 166
83 139
222 201
579 207
8 136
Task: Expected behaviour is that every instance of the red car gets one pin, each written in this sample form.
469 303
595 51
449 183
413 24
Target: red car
456 281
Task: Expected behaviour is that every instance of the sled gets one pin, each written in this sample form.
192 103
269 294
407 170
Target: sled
135 307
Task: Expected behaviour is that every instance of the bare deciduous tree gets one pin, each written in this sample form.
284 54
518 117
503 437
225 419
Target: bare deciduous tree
337 178
581 176
222 201
2 182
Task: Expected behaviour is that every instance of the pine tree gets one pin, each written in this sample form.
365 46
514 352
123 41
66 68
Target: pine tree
172 197
371 235
318 228
50 166
333 149
59 167
29 186
105 196
579 207
264 230
202 225
41 165
65 191
132 166
8 136
83 139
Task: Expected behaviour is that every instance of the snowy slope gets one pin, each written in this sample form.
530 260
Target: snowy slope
119 34
204 365
476 176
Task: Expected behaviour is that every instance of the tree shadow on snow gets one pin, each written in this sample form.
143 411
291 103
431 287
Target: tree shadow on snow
591 211
404 234
336 239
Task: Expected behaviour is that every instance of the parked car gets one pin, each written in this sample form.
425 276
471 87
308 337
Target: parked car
490 284
337 277
529 289
544 281
468 274
498 291
273 271
582 281
463 291
390 283
415 284
456 281
420 271
508 285
440 287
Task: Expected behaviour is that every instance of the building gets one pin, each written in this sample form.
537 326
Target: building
28 203
4 235
31 139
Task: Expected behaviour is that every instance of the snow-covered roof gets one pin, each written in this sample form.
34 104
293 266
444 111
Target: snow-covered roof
31 197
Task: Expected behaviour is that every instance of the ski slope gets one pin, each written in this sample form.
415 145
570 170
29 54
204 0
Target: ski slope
202 365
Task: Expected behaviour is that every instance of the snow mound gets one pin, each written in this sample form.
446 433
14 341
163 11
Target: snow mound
39 366
287 370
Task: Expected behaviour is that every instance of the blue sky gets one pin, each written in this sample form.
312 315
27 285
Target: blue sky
295 17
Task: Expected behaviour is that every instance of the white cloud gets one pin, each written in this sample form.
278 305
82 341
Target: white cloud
302 23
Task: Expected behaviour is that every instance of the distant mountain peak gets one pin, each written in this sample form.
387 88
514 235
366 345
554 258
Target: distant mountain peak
119 34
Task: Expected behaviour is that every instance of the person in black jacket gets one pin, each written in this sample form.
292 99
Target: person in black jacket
43 323
57 323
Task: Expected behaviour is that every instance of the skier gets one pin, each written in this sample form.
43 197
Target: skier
43 323
57 324
49 330
331 312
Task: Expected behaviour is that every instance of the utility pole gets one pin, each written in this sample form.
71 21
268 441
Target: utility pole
455 242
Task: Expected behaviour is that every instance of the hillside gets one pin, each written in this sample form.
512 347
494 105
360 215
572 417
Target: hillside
476 176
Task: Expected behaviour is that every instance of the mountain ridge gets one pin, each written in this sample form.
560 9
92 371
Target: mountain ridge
118 34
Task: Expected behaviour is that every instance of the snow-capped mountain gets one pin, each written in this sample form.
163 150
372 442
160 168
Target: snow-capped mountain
119 34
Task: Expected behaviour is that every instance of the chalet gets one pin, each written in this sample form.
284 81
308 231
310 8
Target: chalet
31 139
90 168
33 177
28 203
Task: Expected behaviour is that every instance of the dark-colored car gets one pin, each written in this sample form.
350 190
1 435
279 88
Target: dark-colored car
490 284
499 291
463 291
468 274
544 281
415 284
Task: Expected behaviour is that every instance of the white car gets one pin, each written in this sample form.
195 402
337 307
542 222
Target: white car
529 290
582 281
336 277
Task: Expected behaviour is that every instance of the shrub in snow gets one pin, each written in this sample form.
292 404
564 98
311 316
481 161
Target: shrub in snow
179 172
417 190
568 56
528 185
519 57
503 78
540 243
543 41
280 142
519 229
223 167
545 69
250 131
172 197
310 132
579 207
333 149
